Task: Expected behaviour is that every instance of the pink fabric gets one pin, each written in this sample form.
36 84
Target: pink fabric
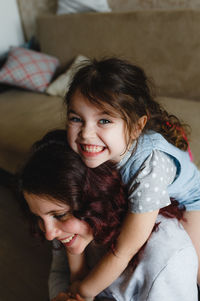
28 69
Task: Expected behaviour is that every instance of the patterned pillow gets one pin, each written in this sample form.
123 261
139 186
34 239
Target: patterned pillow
28 69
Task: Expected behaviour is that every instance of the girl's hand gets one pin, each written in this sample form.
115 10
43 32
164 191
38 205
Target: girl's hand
74 287
68 297
75 291
61 297
76 297
79 298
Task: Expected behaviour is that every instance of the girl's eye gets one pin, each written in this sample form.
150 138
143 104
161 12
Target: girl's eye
104 121
75 119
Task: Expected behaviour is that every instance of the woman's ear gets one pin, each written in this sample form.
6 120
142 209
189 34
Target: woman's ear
139 127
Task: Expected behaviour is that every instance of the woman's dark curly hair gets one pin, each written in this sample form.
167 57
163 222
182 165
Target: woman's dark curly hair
94 195
119 87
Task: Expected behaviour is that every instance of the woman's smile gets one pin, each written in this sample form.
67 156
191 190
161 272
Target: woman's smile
56 221
67 240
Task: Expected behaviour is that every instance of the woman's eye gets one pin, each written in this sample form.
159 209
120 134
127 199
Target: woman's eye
104 121
61 217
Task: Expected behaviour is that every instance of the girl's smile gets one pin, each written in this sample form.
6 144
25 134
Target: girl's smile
94 134
90 150
56 221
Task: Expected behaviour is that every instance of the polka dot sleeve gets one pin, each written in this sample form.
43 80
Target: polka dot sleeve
148 190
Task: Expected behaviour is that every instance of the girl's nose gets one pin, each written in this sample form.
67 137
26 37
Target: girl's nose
51 231
87 131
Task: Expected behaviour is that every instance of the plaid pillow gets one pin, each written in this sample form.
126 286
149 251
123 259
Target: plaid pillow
28 69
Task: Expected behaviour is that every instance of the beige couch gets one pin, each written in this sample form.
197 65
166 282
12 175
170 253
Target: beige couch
165 43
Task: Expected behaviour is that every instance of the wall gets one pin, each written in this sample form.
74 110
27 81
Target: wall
30 9
11 33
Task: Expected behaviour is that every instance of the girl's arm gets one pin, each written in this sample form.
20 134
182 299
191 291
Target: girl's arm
59 277
77 266
135 231
78 270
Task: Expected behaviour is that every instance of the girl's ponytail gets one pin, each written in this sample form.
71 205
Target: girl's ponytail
168 125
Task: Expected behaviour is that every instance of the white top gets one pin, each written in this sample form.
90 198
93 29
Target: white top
167 270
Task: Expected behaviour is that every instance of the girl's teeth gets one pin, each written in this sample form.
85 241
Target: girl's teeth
92 148
67 239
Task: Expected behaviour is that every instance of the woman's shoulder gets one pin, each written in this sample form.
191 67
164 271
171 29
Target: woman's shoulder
169 240
173 258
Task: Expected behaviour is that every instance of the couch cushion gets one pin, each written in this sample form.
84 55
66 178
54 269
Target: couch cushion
28 69
26 116
188 111
164 42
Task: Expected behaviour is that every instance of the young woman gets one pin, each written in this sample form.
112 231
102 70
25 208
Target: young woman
81 211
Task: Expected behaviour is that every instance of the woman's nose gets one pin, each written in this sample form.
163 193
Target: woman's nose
51 231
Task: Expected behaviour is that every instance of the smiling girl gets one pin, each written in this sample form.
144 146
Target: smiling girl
112 115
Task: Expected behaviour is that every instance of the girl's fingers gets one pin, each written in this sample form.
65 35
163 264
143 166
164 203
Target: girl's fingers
61 297
72 297
79 298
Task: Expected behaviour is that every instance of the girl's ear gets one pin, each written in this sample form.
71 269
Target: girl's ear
139 127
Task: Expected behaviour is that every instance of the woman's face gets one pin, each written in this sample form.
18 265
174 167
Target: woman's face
56 221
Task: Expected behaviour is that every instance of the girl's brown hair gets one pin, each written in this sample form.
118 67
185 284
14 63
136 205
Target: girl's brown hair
116 84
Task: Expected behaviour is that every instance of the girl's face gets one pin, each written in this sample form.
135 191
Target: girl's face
56 221
96 136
